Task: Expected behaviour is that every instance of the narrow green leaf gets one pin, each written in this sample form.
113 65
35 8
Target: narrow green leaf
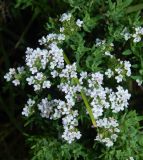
127 52
134 8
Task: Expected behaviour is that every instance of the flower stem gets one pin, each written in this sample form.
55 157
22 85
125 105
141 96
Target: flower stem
83 96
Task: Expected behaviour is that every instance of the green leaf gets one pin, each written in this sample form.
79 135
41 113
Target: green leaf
89 23
127 52
134 8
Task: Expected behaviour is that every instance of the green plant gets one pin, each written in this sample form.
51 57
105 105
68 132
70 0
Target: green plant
90 59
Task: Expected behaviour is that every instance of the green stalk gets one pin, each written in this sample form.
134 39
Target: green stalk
83 96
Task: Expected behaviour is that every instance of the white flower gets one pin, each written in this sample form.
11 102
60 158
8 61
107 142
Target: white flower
37 87
118 70
12 71
139 30
20 69
108 142
79 23
99 42
46 84
137 38
26 111
8 77
30 80
65 17
39 76
61 37
16 82
69 71
42 41
114 137
70 132
10 74
45 107
83 75
127 36
30 102
54 73
62 29
97 77
119 78
33 70
97 111
70 135
116 130
119 99
109 73
28 108
107 123
107 53
139 82
127 67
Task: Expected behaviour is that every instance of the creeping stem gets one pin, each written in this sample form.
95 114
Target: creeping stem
83 96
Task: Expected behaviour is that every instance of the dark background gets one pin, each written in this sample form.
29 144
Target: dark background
21 25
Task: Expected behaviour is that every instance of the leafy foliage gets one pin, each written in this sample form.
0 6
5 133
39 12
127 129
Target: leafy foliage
51 149
130 135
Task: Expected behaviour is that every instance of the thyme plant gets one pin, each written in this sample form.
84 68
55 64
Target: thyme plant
78 81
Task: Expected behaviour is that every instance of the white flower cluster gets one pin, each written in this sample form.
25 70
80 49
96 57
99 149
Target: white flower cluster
51 109
67 17
99 42
69 72
27 110
52 37
14 75
70 92
119 99
105 46
122 70
136 35
46 64
56 109
102 100
39 59
70 122
110 126
38 81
